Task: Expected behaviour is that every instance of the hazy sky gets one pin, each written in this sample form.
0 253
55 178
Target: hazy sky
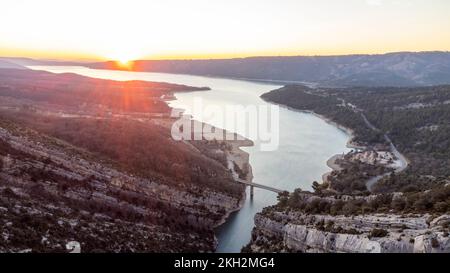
131 29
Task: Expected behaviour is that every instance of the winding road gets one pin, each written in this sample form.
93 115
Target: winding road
403 161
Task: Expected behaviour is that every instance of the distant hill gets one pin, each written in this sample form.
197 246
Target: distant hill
393 69
28 61
10 65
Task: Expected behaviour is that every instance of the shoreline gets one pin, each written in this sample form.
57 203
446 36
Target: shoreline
256 80
350 133
331 163
351 145
234 156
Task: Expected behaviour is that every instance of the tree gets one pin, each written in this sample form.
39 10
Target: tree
378 233
283 198
316 187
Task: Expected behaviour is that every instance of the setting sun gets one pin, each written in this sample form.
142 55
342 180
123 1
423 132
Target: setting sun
123 54
127 32
124 61
124 58
195 127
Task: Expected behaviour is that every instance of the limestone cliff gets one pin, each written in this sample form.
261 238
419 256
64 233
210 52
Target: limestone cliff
375 233
52 193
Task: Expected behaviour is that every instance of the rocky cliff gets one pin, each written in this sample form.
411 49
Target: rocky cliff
53 193
375 233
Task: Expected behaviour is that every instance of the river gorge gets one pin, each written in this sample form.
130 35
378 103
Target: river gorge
306 141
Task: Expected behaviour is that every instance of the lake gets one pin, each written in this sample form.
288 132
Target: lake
306 142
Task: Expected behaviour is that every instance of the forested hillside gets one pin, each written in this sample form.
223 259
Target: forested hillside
417 120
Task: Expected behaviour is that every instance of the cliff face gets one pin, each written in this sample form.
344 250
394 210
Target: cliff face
296 232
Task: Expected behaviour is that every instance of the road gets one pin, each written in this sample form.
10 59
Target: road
401 158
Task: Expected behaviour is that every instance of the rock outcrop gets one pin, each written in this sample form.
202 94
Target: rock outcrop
52 193
376 233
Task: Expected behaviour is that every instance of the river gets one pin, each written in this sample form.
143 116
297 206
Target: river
306 142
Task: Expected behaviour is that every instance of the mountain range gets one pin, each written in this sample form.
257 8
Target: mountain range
392 69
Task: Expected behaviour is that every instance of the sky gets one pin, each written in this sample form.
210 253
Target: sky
183 29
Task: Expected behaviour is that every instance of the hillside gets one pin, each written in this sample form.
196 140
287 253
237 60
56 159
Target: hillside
29 61
393 69
10 65
370 203
79 93
415 119
79 166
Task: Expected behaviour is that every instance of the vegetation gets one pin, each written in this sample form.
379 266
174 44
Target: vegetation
146 150
328 105
352 179
435 200
417 120
77 165
378 233
44 197
75 92
43 226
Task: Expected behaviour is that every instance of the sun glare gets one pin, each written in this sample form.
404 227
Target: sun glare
124 62
124 56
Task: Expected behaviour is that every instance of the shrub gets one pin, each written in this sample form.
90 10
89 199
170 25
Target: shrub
378 233
349 208
398 204
434 243
9 193
441 207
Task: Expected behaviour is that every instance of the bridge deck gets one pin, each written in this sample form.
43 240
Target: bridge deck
256 185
